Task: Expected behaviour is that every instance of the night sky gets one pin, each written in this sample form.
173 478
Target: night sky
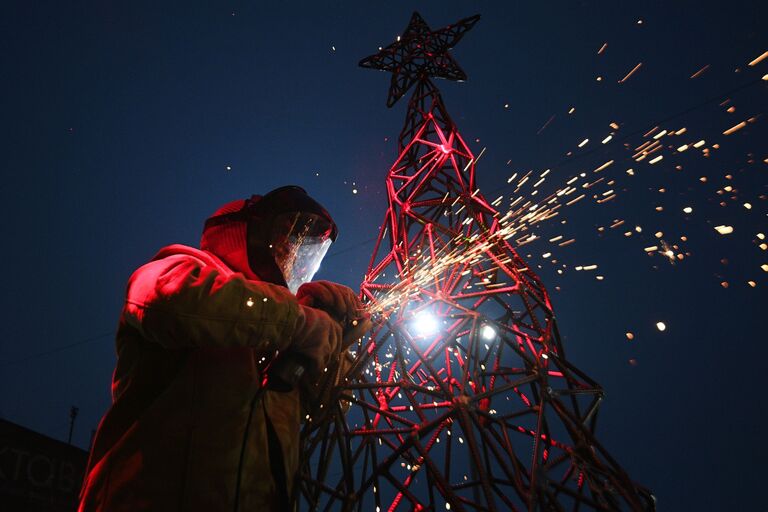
125 126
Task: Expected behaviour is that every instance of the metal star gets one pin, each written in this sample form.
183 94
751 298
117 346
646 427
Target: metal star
420 53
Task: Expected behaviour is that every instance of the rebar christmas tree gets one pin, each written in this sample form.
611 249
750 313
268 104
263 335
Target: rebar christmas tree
461 398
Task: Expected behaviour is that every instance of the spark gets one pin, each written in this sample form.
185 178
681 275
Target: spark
583 143
606 199
661 326
551 118
604 166
649 132
724 230
759 59
602 49
687 209
630 73
657 159
735 128
699 72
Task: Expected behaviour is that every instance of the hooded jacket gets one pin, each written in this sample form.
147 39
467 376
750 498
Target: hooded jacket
192 340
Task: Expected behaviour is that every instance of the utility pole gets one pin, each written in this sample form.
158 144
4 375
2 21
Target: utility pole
72 415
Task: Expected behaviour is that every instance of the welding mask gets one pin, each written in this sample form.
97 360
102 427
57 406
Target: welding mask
298 243
289 234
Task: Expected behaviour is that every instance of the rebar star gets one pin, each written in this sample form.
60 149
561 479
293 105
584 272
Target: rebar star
420 53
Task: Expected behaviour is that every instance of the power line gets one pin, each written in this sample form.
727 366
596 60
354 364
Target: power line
57 349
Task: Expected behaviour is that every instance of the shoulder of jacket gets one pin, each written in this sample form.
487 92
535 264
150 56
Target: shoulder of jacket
177 253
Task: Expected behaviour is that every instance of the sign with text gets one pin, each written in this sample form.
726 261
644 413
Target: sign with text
38 473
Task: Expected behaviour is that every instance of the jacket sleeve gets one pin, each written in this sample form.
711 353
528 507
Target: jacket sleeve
180 302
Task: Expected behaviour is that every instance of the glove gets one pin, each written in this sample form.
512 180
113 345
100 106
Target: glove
318 340
337 300
341 303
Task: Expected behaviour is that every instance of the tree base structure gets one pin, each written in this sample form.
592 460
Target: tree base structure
462 397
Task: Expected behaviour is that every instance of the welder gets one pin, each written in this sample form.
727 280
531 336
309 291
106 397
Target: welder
219 351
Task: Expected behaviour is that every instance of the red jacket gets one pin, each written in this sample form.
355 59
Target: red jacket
192 338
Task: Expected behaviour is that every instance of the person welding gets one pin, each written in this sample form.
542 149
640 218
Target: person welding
218 349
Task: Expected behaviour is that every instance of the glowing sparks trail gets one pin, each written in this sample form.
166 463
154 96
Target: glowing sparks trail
632 72
735 128
700 72
759 59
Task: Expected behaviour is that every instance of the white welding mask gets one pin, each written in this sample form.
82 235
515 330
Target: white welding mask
298 244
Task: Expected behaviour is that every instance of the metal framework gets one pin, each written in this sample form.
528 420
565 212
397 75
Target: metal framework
462 397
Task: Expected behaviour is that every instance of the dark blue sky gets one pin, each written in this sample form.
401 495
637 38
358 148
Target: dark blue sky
120 123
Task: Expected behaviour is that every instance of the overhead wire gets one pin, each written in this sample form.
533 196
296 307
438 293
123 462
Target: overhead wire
57 349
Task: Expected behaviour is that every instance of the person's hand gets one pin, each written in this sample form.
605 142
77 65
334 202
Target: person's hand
337 300
318 340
